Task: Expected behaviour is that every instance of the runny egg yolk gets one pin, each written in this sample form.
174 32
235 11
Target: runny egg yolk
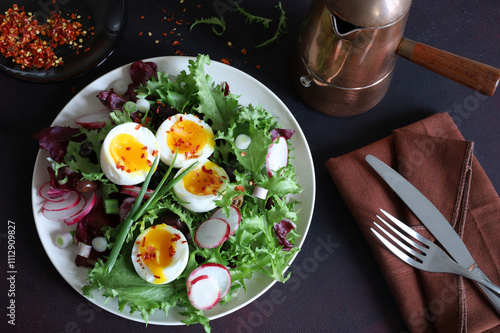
129 154
187 137
156 249
203 181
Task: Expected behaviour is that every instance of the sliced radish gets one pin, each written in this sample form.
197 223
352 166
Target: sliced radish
212 233
71 200
233 219
203 292
45 192
216 271
90 199
94 120
61 215
277 155
134 191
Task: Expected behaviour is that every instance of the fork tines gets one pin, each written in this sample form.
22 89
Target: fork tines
404 247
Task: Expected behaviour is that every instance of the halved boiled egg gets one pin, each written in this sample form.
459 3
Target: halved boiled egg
187 134
201 186
127 153
160 254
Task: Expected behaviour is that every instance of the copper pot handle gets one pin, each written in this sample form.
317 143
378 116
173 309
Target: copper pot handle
475 75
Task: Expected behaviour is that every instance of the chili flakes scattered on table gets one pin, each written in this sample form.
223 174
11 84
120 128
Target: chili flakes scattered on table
32 45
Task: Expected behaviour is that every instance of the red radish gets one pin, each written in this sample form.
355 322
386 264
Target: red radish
134 191
203 292
45 190
61 215
71 200
233 219
91 198
277 155
216 271
94 120
212 233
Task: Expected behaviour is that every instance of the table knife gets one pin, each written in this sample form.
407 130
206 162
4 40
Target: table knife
432 218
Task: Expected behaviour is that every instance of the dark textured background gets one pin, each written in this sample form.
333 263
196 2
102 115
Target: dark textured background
344 292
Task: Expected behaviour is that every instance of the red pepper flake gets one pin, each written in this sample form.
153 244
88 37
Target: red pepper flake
209 171
32 45
240 188
139 34
257 66
128 148
155 153
157 277
244 51
175 43
179 53
143 241
138 126
175 238
150 164
243 154
142 17
225 61
171 251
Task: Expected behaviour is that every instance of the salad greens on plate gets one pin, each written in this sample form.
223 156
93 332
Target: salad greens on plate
259 183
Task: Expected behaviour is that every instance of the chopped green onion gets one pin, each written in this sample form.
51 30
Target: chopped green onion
143 105
130 107
111 206
83 250
63 240
100 244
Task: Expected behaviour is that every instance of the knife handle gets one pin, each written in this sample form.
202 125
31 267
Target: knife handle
491 295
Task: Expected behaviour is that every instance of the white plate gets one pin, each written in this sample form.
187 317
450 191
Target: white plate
252 92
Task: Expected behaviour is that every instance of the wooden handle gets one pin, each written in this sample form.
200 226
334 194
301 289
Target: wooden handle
470 73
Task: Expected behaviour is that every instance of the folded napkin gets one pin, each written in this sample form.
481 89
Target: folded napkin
433 156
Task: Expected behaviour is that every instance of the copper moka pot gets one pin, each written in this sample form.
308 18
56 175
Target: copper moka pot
347 50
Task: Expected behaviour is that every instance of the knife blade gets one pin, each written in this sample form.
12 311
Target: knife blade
432 218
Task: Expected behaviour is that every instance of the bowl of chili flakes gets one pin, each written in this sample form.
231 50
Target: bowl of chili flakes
50 41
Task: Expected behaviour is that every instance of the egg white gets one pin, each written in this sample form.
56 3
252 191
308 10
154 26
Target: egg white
199 203
109 165
176 266
167 153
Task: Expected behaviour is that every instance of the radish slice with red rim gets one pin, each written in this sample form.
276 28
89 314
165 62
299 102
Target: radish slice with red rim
134 191
71 200
203 292
94 120
233 219
61 215
217 272
277 155
90 199
212 233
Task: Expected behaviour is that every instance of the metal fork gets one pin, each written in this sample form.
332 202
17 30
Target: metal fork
424 254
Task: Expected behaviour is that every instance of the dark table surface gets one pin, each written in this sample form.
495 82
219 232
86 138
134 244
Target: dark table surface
343 293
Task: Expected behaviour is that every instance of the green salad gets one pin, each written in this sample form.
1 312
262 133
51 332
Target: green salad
256 182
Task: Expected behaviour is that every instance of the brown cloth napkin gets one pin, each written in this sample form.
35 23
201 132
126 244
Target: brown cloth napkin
433 156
